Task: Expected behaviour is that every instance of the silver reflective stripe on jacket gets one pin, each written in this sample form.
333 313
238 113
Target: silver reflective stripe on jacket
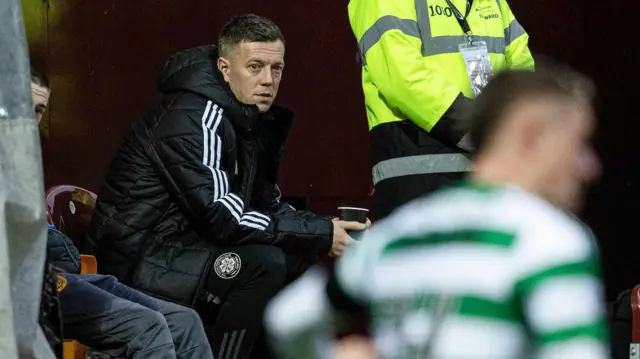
420 165
433 45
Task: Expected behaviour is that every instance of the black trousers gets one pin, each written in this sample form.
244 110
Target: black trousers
396 191
243 279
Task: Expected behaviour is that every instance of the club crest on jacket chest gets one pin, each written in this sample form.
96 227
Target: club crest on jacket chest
227 265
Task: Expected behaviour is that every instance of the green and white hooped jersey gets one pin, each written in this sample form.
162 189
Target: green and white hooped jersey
479 272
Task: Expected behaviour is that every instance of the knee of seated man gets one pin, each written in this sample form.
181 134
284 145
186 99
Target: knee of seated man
271 264
185 318
151 328
154 319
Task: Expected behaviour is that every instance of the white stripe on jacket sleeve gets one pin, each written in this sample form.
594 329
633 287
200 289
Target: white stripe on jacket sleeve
211 156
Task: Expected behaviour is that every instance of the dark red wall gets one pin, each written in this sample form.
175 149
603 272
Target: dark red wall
103 55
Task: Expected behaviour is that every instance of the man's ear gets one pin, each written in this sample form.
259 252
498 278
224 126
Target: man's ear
224 67
530 130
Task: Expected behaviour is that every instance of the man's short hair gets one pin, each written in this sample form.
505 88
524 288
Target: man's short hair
247 28
39 78
506 88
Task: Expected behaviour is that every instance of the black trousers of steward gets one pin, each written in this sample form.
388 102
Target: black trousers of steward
394 192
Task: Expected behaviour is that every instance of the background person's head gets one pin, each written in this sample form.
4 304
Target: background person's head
534 129
251 59
40 93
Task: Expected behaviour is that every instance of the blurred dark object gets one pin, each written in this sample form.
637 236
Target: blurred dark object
350 317
50 317
624 323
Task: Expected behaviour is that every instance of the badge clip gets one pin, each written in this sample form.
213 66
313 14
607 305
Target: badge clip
469 38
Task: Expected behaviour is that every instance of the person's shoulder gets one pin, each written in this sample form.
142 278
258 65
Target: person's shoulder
446 209
503 209
548 237
56 238
543 219
190 103
190 110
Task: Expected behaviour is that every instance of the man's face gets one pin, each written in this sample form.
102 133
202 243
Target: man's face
253 71
565 156
40 96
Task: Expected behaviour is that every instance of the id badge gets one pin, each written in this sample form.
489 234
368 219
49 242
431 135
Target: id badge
476 59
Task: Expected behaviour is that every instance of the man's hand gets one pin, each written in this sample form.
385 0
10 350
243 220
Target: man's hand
354 347
340 237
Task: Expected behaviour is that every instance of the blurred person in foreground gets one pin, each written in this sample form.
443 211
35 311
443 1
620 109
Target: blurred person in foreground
494 267
190 210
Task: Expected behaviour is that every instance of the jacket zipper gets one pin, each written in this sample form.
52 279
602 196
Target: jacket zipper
252 170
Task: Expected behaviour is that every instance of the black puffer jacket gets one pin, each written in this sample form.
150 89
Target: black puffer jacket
198 170
62 253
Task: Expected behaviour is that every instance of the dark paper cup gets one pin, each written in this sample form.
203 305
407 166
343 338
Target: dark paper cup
353 214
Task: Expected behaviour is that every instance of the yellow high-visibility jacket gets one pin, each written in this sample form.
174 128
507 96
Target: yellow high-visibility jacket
413 70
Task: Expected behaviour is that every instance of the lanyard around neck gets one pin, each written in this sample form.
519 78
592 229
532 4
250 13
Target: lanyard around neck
462 20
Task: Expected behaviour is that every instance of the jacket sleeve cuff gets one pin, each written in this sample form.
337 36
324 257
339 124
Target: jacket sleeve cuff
326 241
322 229
311 235
466 144
452 127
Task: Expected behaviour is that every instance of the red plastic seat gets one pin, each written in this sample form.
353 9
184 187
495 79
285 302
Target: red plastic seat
49 218
71 208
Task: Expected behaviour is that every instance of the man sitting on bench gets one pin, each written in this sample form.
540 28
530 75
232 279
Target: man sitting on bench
108 316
